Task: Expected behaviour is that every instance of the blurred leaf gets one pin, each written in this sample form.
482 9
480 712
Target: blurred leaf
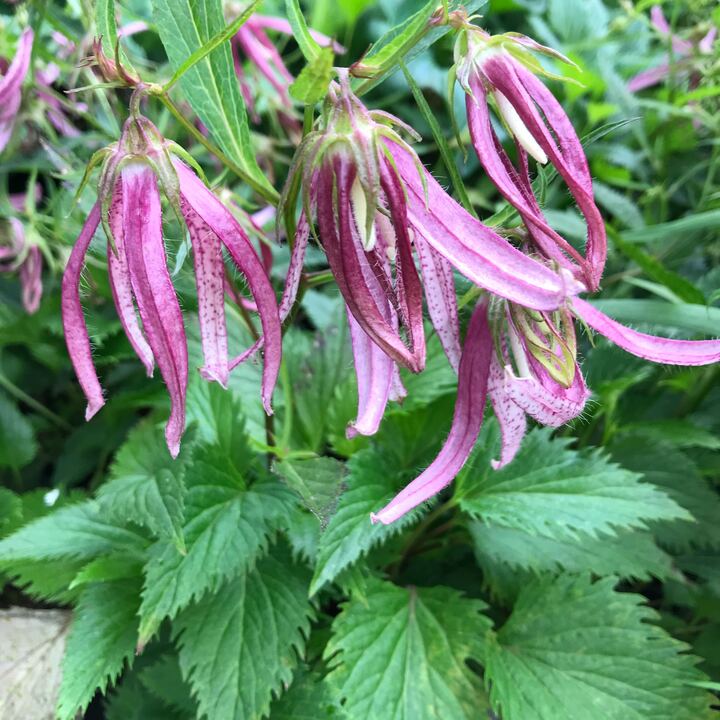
240 645
571 643
17 438
709 220
164 680
401 654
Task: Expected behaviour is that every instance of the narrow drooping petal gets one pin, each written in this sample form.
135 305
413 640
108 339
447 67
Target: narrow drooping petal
657 349
11 86
76 335
222 223
153 289
294 273
210 282
648 78
439 286
120 283
528 95
680 46
31 280
375 372
472 248
510 416
281 25
467 421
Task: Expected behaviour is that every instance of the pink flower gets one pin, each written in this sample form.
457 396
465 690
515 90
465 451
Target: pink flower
501 69
682 48
11 84
19 255
129 207
375 206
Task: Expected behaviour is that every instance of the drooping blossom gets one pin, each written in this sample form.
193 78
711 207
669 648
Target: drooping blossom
529 367
11 84
135 171
683 50
18 254
501 70
375 206
252 42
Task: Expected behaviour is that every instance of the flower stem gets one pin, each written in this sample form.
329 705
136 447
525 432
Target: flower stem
31 402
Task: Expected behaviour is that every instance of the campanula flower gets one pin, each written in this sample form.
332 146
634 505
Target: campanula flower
11 83
134 172
500 70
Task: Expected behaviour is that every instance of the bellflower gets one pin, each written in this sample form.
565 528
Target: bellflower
375 205
529 367
11 84
500 69
683 49
135 170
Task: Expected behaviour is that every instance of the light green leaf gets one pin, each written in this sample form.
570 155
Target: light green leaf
401 654
102 639
146 485
573 648
311 84
556 492
227 529
17 438
211 85
239 645
709 220
77 531
627 554
318 482
105 25
301 32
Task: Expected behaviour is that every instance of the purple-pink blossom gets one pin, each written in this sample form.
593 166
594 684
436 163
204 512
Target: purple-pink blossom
11 84
129 206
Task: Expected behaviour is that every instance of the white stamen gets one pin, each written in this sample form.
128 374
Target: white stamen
518 128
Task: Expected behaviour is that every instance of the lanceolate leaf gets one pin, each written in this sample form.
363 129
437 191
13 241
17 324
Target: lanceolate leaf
556 492
240 645
210 86
574 646
401 654
102 639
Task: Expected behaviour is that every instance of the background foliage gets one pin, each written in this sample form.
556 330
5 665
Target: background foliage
581 581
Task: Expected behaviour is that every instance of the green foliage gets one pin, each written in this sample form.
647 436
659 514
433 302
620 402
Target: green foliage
239 645
400 653
571 644
17 437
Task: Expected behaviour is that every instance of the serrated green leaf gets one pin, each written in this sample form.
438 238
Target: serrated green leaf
678 433
132 701
553 491
401 655
108 567
239 645
146 485
317 481
17 437
627 554
164 680
10 510
308 698
49 581
78 531
573 648
311 85
102 639
228 527
672 470
210 86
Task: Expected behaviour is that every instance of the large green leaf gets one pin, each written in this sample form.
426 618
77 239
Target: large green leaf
102 639
239 645
146 485
17 437
400 654
211 85
577 649
308 698
556 492
227 529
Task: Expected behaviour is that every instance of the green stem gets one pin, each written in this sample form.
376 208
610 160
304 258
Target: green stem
267 194
31 402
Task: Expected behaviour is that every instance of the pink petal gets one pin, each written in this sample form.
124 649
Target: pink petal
649 347
294 273
467 421
153 289
705 45
120 283
375 372
510 416
439 286
11 86
471 247
210 282
680 46
76 335
281 25
31 280
648 78
222 223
